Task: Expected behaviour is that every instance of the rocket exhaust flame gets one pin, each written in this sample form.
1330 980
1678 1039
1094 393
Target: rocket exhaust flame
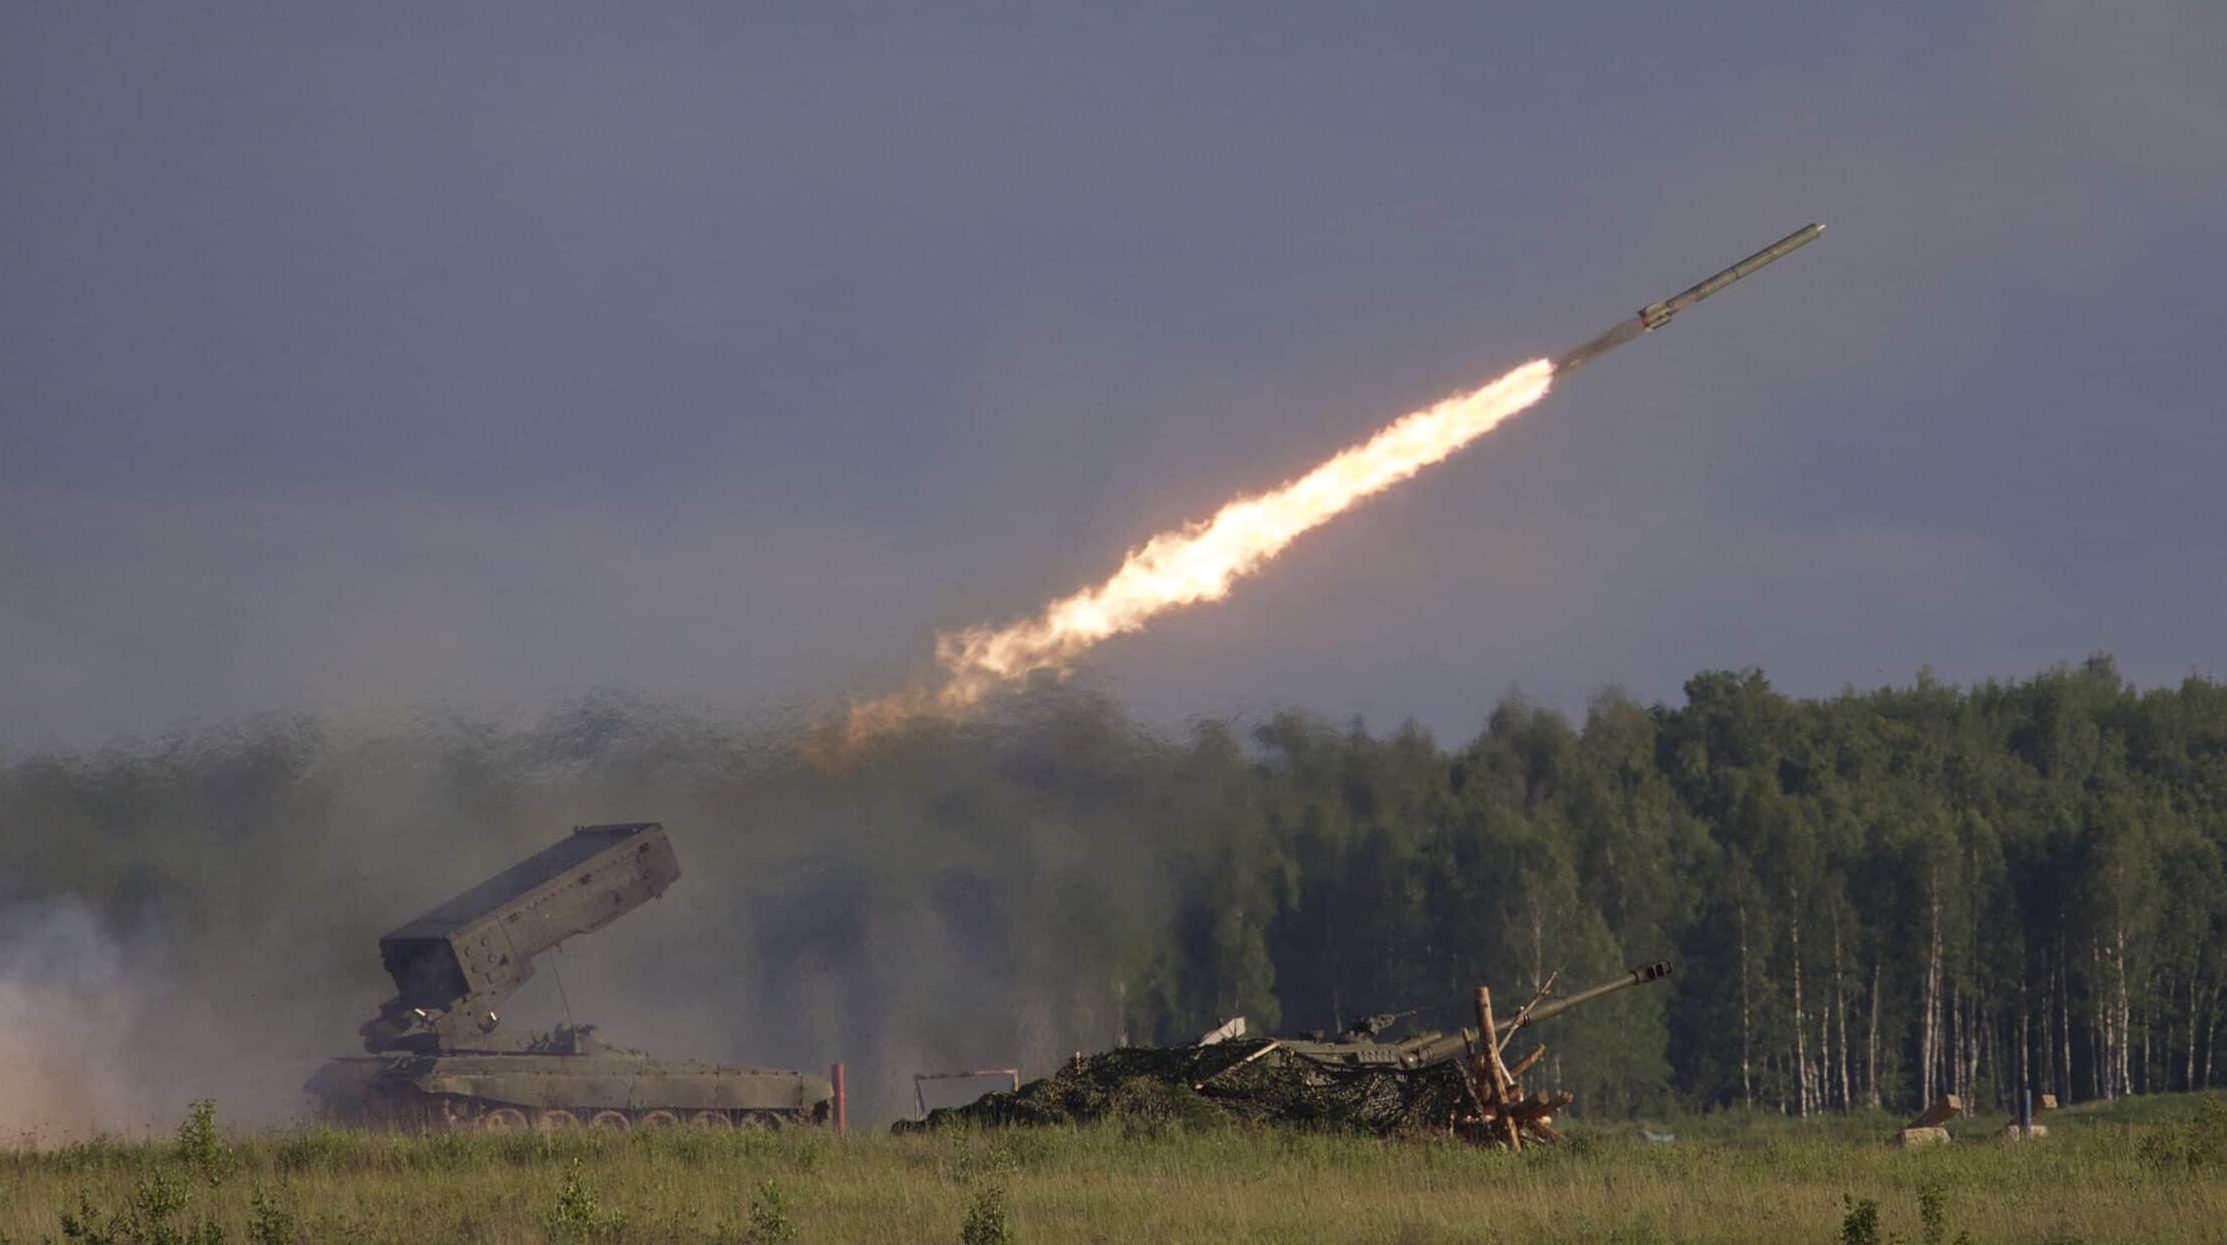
1201 561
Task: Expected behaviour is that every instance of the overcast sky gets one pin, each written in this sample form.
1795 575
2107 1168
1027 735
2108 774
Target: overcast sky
404 354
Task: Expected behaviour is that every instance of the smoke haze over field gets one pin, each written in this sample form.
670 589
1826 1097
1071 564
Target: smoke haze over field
198 915
64 1019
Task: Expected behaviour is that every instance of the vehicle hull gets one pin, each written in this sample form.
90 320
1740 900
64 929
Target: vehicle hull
496 1091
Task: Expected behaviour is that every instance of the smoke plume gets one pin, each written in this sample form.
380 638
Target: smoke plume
198 915
1202 561
66 1015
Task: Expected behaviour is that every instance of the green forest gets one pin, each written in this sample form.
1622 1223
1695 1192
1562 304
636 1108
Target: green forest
1871 898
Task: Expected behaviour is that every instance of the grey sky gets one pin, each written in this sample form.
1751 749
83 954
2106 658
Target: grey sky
399 355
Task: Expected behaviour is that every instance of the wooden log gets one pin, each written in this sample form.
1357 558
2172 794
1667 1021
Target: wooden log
1488 1028
1552 1103
1528 1060
1530 1105
1480 1059
1494 1069
1524 1015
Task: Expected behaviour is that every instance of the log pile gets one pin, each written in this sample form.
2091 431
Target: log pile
1503 1115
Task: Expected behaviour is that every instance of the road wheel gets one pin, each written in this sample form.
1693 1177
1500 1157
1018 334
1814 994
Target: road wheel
765 1120
503 1120
711 1119
614 1121
660 1119
557 1120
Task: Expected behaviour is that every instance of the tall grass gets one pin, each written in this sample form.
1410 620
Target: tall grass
2096 1180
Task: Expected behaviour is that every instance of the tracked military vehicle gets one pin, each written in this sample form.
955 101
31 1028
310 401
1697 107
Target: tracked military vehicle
440 1061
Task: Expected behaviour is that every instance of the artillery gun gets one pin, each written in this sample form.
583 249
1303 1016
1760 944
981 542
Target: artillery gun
1362 1044
1457 1082
438 1059
1433 1083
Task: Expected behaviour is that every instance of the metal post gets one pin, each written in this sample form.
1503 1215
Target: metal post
2026 1115
842 1103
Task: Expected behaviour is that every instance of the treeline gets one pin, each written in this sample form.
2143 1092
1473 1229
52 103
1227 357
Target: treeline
1872 898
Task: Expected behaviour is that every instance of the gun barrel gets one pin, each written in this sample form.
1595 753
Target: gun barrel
1427 1051
1555 1007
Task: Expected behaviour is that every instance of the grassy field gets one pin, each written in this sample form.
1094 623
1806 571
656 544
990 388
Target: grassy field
2155 1171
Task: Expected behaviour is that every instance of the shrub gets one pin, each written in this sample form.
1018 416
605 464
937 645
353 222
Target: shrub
2199 1144
151 1219
199 1146
1860 1226
272 1222
579 1214
1933 1218
986 1223
769 1217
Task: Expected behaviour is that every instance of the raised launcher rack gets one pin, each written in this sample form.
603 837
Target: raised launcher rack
454 965
439 1060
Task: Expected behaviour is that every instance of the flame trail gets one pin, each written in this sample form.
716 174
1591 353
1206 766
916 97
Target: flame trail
1200 561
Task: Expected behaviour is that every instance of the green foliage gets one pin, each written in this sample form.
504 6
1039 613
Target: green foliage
91 1155
152 1217
2198 1144
986 1159
199 1145
986 1222
1860 1225
579 1214
1933 1217
769 1216
319 1149
1747 1180
272 1221
157 1201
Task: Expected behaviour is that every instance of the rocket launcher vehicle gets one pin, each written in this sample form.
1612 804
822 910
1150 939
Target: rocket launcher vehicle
438 1062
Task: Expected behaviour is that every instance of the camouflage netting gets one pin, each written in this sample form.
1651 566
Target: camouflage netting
1210 1084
